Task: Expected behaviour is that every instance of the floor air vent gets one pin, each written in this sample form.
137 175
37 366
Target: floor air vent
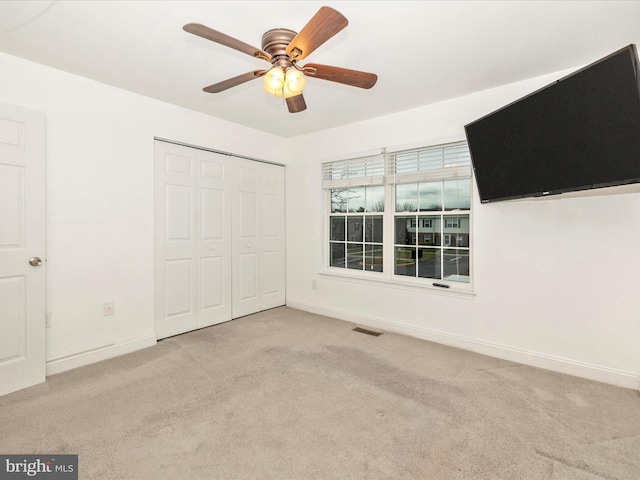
368 332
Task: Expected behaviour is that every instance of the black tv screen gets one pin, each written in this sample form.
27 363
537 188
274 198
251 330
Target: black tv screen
581 132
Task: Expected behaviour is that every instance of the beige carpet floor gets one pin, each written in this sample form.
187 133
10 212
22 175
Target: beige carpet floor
285 394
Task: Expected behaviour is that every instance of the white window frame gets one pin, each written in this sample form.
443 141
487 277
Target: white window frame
389 177
360 172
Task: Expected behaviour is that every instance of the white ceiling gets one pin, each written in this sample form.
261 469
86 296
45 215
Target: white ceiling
422 51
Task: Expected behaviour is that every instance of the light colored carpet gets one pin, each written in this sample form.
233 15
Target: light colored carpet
285 394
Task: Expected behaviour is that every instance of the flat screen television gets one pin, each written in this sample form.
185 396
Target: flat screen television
580 132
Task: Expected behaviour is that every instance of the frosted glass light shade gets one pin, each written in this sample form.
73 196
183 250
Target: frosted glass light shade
294 81
274 81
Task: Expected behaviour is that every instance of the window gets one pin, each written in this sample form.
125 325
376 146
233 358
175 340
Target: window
356 191
425 232
452 222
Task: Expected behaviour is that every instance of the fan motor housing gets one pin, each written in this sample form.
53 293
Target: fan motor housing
276 41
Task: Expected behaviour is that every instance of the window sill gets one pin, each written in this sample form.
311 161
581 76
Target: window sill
454 290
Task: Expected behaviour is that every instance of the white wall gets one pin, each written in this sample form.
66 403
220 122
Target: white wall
555 279
100 208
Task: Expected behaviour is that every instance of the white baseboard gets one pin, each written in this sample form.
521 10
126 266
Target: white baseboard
97 354
534 359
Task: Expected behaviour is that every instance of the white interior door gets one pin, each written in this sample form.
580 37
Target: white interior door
22 237
259 238
193 244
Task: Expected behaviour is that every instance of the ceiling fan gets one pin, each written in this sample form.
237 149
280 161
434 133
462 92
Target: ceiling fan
283 48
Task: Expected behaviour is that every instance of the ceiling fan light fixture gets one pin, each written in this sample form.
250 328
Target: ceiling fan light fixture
294 81
274 81
282 48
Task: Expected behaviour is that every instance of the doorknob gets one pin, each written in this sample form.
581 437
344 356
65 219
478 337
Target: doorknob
35 261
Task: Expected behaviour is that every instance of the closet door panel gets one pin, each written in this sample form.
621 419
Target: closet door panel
178 289
175 240
273 235
214 242
212 279
246 261
258 268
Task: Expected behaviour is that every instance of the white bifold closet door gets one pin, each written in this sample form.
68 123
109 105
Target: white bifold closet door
219 238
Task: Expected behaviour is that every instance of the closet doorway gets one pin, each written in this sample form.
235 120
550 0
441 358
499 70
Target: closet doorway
219 237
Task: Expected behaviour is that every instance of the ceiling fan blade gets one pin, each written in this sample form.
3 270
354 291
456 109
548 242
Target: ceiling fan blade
226 40
324 25
296 104
355 78
232 82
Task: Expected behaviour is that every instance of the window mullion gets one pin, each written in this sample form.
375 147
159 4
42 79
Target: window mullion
389 222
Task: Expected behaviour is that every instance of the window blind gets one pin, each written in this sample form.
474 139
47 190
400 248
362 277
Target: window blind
451 160
354 172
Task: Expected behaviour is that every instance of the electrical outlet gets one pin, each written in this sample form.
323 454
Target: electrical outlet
48 320
109 308
314 284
